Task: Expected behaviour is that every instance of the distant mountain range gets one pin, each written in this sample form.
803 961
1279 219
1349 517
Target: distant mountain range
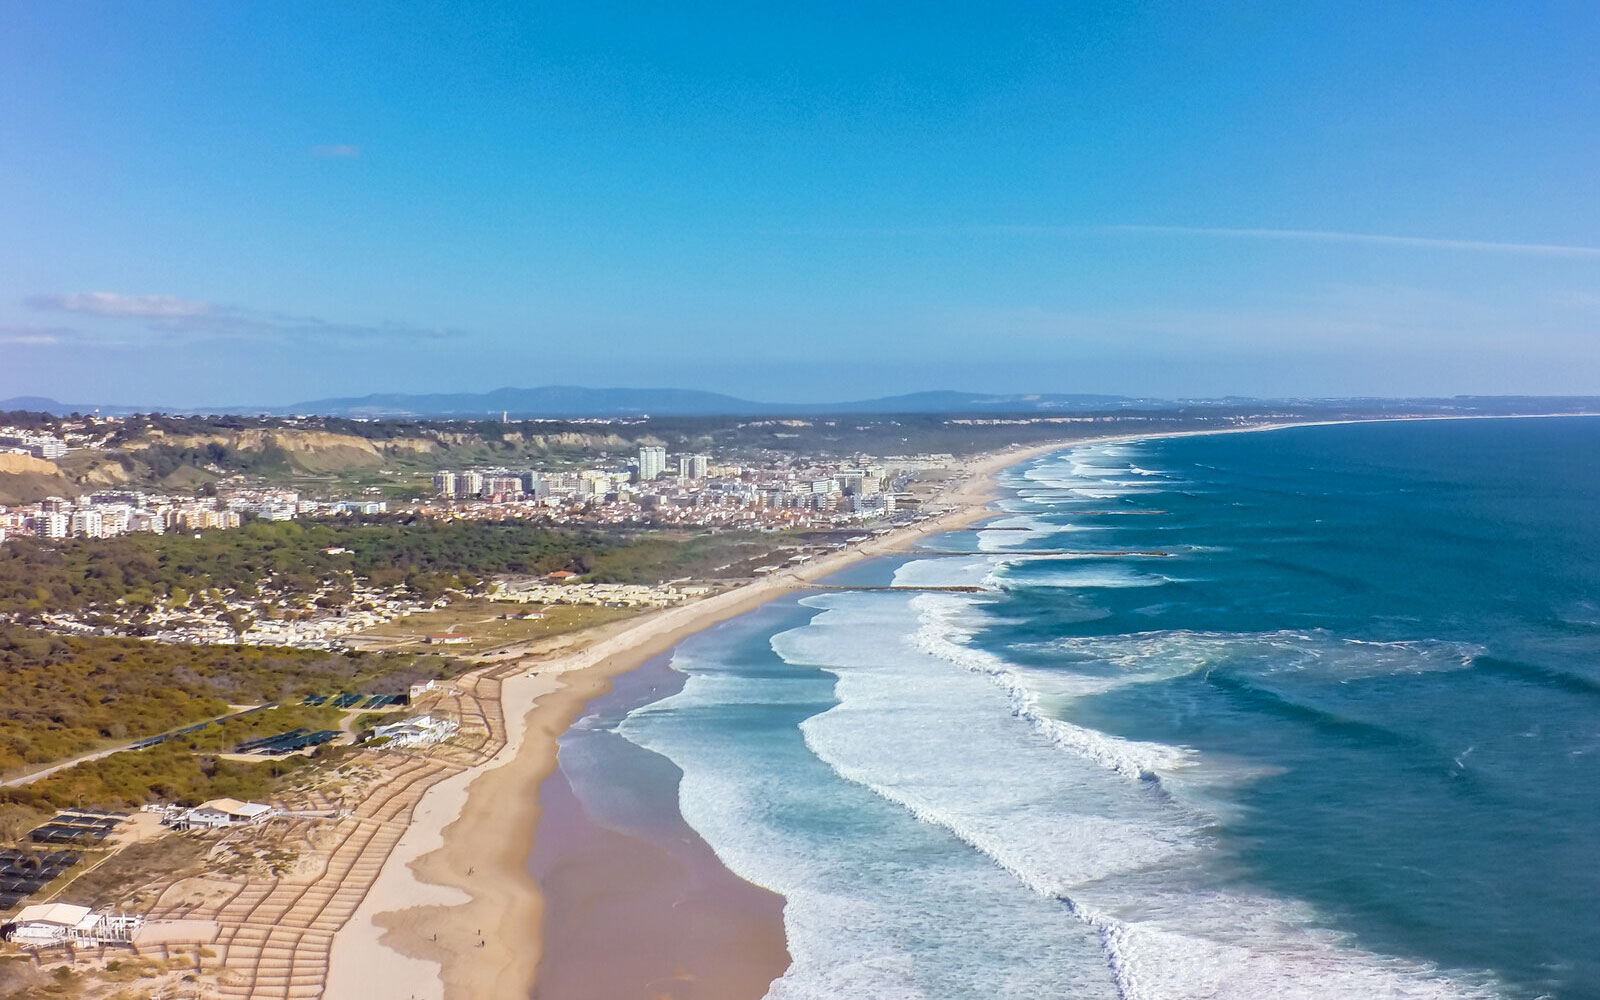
569 401
578 401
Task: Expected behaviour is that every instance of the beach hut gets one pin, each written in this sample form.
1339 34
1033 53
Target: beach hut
220 813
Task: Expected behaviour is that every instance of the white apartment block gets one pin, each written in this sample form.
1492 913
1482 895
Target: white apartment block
652 462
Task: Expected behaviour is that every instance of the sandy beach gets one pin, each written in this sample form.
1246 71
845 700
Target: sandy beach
455 911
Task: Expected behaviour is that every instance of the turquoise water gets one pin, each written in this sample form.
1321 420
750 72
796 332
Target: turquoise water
1341 740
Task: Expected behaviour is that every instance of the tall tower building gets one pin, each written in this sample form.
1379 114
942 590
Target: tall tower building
444 484
652 462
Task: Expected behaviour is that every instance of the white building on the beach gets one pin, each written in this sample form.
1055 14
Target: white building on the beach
422 731
220 813
54 923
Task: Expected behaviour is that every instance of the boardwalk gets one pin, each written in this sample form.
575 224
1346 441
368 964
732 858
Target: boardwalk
271 937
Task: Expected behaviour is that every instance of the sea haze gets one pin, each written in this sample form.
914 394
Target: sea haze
1341 739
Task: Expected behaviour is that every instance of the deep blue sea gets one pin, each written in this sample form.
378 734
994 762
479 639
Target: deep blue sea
1340 738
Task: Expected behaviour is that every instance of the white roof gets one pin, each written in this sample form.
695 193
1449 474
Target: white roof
233 807
64 914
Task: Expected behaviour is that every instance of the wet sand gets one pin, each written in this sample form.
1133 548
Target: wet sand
636 903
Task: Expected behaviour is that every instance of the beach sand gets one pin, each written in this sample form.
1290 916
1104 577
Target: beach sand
456 912
636 903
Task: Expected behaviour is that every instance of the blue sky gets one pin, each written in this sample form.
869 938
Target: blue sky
269 202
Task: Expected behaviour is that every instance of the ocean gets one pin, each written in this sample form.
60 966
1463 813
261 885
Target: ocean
1311 712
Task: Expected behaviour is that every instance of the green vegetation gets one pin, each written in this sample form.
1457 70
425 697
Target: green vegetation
428 558
66 696
481 619
163 460
167 772
662 556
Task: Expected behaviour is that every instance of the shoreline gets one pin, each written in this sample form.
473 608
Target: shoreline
616 861
462 865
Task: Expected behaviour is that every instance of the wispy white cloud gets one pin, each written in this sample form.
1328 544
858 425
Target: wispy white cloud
336 151
28 335
173 317
1328 236
113 304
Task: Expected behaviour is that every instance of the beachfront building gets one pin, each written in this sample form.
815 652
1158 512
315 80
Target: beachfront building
448 638
219 813
424 730
58 923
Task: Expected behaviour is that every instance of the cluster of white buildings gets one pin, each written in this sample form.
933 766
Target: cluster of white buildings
107 514
608 595
286 505
681 490
24 442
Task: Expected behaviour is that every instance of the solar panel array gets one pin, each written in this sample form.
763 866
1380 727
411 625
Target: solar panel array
352 700
289 742
77 826
23 873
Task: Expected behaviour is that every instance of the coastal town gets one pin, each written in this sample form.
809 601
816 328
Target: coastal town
773 492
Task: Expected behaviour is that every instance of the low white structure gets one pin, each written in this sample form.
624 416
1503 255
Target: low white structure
419 689
56 923
226 812
422 731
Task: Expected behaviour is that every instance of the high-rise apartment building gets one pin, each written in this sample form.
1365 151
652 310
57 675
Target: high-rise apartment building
444 484
469 484
88 522
652 462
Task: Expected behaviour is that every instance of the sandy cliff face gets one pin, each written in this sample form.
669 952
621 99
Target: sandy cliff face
25 479
309 451
15 464
314 451
415 446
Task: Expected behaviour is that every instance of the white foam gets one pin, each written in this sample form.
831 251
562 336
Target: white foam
1104 574
940 634
1317 655
878 905
1133 865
